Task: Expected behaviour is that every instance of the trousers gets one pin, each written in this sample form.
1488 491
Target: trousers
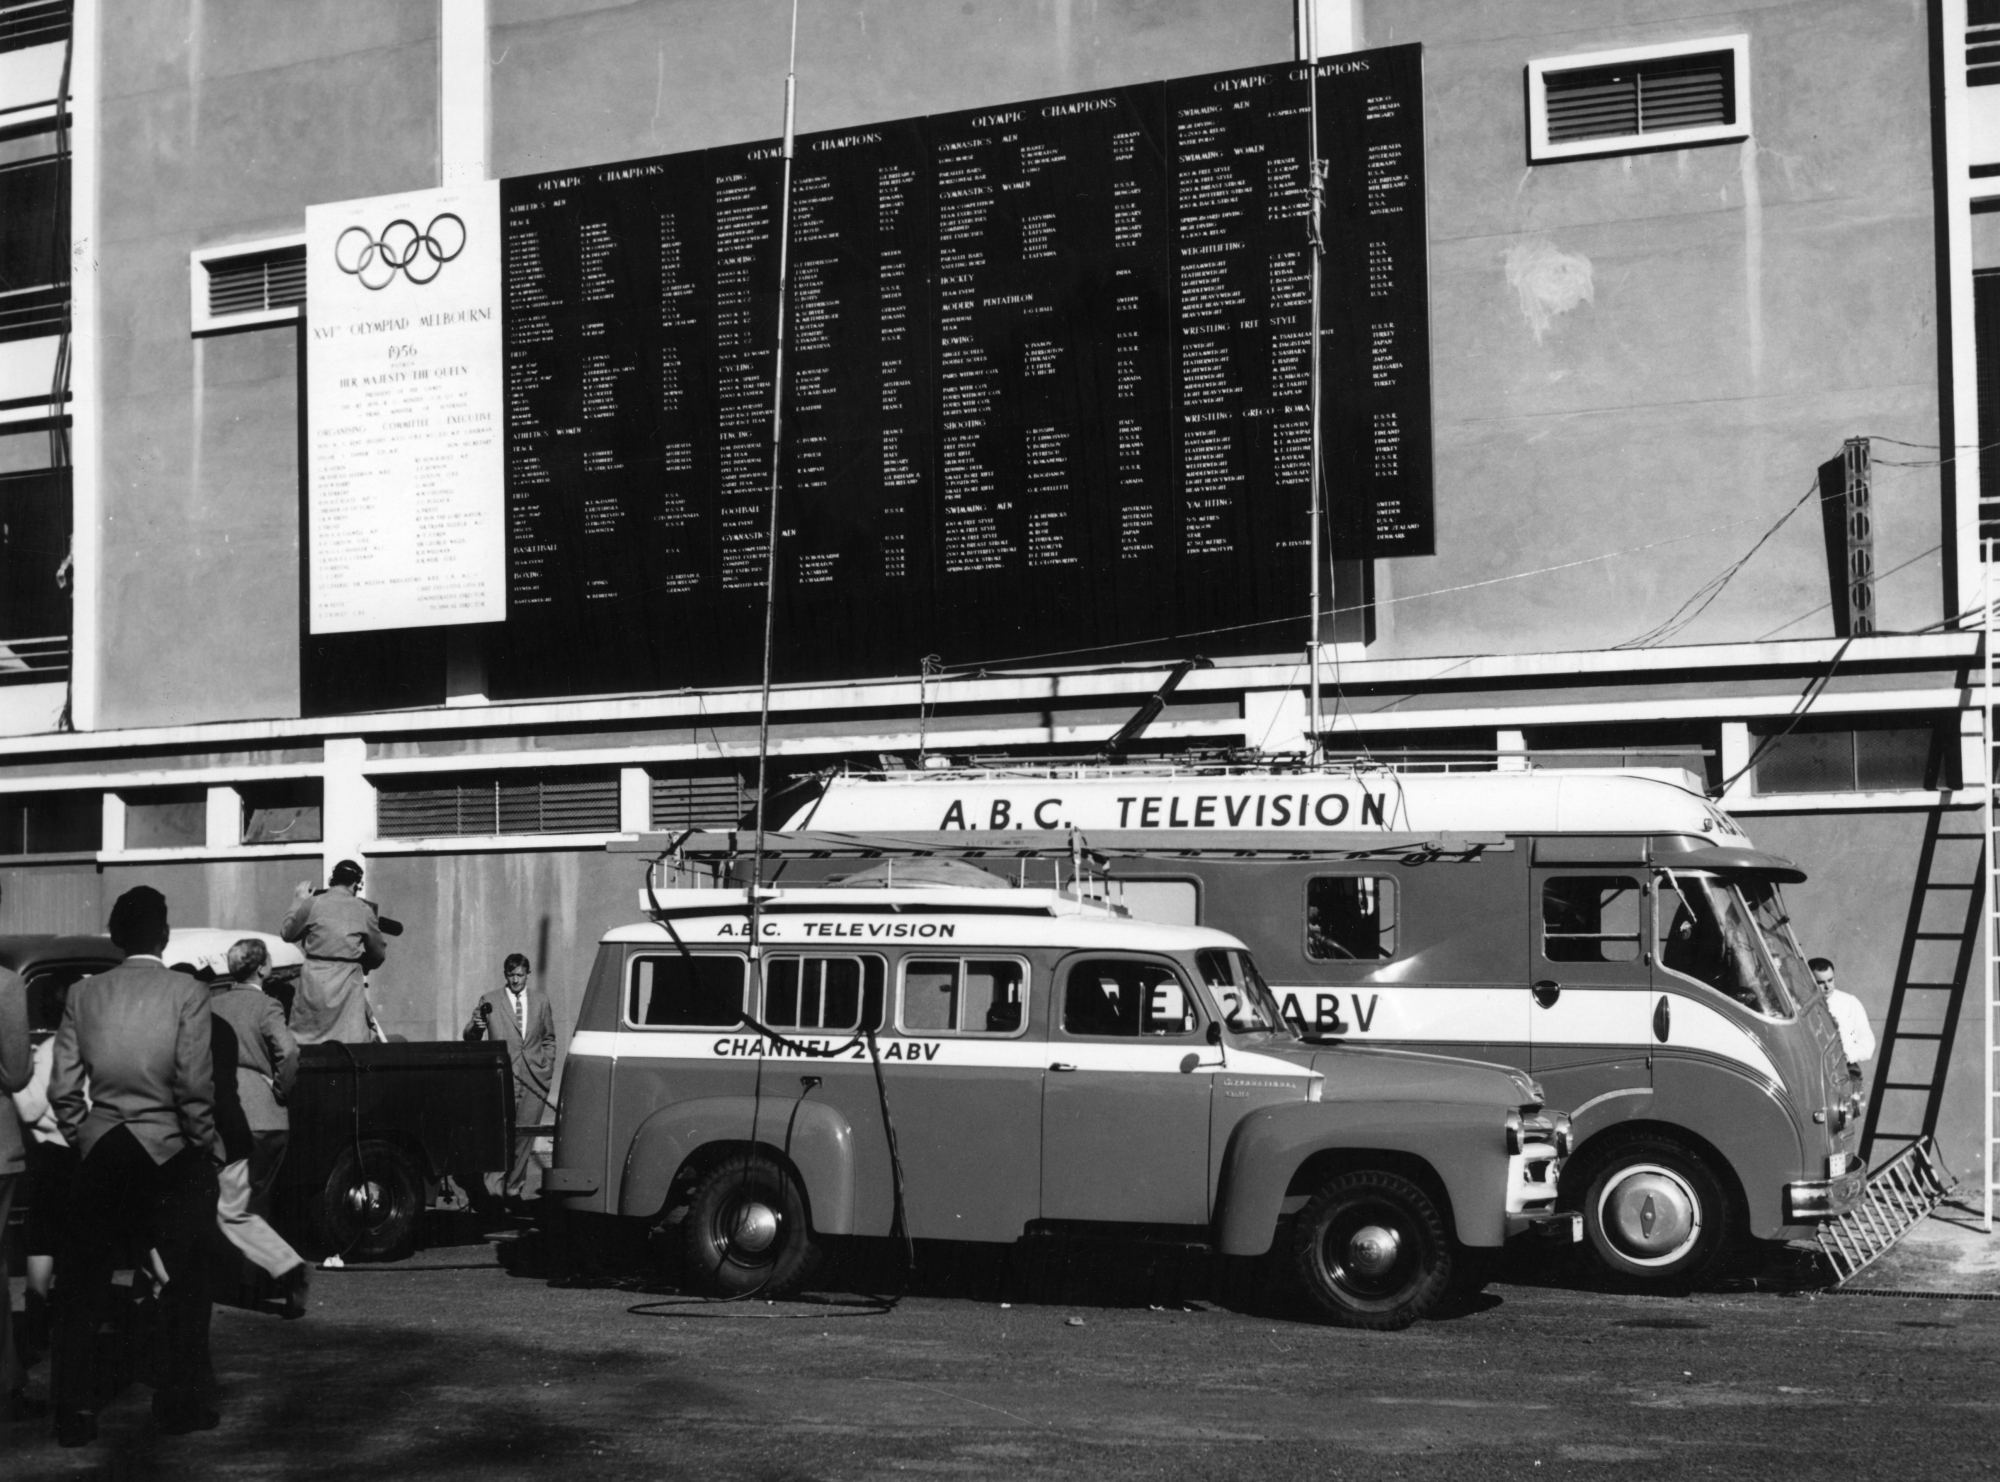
247 1230
12 1375
267 1156
121 1203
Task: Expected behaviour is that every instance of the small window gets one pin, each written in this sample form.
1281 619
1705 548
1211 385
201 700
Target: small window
1982 43
1646 97
1350 918
1877 759
1590 918
1132 1000
950 995
683 992
283 812
247 284
1167 902
166 818
823 992
52 823
1245 998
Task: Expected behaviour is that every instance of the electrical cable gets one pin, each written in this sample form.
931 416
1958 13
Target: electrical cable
1812 692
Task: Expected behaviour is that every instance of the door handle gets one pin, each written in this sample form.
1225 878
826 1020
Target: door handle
1663 1019
1547 992
1062 1065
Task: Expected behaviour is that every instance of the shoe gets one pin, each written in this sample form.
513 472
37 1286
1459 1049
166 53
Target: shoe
75 1427
295 1286
184 1417
18 1407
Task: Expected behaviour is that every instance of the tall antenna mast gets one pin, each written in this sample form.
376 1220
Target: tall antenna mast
777 444
1315 198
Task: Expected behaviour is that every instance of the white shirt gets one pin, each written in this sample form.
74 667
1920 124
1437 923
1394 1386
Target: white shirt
1852 1019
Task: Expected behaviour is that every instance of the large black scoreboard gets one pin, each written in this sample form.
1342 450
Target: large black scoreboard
1046 385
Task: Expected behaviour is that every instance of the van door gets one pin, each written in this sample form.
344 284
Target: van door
1590 994
1124 1113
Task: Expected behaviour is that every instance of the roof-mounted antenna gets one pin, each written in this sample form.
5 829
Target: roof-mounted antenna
777 444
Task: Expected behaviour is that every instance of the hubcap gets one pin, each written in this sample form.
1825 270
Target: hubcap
1650 1214
753 1227
365 1197
1372 1250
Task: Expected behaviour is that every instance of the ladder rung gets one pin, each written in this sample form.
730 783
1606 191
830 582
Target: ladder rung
1905 1086
1896 1034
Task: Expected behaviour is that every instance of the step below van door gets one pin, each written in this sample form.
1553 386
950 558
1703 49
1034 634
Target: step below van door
1589 993
1125 1098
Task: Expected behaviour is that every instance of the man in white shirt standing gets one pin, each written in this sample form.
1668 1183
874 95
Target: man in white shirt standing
1856 1037
518 1016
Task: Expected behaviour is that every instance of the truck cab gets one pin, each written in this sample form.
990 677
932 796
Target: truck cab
1615 935
981 1064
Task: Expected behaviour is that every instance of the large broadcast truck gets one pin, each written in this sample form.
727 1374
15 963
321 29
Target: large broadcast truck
1615 935
976 1063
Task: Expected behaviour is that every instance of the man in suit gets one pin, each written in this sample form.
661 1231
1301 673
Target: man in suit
133 1088
17 1066
267 1062
519 1017
342 939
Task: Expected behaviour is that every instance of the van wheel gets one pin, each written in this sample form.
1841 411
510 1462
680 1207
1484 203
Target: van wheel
1654 1212
370 1205
1372 1251
747 1231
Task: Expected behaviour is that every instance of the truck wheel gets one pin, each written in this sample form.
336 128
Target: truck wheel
371 1203
747 1230
1654 1212
1372 1251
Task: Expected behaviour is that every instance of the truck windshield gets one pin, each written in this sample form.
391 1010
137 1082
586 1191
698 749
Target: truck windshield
1708 933
1767 909
1247 1004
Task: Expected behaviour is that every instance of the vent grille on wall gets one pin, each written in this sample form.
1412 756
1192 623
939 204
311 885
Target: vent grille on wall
717 801
256 283
1982 43
1639 98
568 802
34 23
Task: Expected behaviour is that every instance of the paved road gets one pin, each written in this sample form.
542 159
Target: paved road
450 1367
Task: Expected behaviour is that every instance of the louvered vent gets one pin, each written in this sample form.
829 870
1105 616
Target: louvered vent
567 802
256 282
715 801
34 23
1982 43
1640 98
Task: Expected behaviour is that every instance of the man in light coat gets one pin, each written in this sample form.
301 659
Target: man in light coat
342 940
518 1016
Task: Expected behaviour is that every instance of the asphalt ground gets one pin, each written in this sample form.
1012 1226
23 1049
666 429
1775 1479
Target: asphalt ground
1095 1361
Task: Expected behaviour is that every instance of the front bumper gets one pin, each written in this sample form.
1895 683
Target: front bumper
1813 1200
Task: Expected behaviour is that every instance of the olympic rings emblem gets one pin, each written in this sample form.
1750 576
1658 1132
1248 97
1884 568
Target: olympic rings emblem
418 255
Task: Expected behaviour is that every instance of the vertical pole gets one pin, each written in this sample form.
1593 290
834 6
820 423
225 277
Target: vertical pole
1315 194
777 442
1987 551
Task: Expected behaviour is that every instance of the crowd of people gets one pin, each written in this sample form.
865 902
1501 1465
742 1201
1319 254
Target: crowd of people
143 1110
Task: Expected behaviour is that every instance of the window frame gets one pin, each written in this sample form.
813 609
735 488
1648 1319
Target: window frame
1542 152
962 958
1205 1012
802 956
629 982
1642 939
1305 917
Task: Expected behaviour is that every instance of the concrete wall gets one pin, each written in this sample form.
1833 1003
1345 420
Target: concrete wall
1662 347
221 120
1854 909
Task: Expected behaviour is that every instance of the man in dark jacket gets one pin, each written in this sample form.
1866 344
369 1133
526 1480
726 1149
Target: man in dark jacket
267 1061
518 1016
133 1089
17 1065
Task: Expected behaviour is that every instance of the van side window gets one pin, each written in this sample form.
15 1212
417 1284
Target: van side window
1590 918
1707 934
672 991
964 995
823 992
1350 918
1109 996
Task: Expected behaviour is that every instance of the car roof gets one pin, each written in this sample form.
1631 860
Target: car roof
208 947
22 952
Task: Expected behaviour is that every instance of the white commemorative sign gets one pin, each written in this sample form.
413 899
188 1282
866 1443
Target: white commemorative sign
406 493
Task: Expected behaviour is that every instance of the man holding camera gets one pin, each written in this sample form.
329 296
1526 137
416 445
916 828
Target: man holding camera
519 1017
342 940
